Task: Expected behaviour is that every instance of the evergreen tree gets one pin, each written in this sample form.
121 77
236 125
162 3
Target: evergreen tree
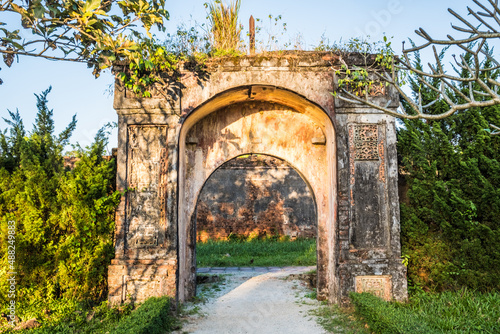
10 146
451 220
64 218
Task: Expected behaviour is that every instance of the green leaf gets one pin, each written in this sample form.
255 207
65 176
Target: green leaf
91 5
39 11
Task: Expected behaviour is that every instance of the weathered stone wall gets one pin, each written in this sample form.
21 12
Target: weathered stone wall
255 196
277 105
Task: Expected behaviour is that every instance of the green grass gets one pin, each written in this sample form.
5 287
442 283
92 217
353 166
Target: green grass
68 317
256 253
448 312
340 320
462 311
154 316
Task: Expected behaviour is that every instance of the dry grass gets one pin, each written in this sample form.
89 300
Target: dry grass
225 31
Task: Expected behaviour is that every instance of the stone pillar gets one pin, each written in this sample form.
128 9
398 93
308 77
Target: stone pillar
369 235
145 263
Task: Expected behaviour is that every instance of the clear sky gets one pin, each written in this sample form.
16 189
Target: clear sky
75 91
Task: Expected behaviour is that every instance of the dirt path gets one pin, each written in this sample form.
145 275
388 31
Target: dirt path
264 303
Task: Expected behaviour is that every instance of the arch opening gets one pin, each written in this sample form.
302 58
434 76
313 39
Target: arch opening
255 196
273 122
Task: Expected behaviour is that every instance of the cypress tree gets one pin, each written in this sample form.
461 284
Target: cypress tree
64 218
451 219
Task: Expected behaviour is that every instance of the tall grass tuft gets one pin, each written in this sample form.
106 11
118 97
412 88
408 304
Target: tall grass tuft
225 31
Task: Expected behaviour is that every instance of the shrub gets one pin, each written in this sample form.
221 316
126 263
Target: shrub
154 316
64 218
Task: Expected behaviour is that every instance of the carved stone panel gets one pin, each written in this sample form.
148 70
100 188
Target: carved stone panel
367 178
379 286
368 230
366 142
146 174
140 288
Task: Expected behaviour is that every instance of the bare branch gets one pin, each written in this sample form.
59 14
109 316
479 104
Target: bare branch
473 13
490 13
497 132
454 42
473 85
463 20
77 59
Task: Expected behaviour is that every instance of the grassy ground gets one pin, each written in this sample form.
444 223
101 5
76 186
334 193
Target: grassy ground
257 253
457 312
340 320
448 312
67 317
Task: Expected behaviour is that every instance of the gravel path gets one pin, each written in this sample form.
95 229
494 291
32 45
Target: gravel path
251 302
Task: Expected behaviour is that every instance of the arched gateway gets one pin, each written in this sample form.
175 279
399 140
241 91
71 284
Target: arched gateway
280 106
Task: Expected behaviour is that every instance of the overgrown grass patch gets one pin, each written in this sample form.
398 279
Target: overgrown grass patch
67 317
257 253
154 316
464 311
340 320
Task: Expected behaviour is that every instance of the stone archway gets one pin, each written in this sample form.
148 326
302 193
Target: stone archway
170 143
274 122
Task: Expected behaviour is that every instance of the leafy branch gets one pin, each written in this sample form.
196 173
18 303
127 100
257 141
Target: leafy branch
96 32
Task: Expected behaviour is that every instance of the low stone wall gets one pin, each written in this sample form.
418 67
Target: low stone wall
255 196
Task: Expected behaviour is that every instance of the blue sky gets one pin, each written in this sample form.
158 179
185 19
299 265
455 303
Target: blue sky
75 91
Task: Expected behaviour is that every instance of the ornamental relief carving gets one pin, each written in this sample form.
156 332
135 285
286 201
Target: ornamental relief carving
379 286
366 142
146 174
